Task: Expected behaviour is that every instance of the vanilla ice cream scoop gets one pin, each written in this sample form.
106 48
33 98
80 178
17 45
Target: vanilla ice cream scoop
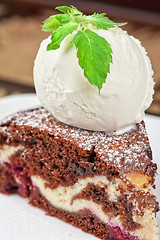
65 92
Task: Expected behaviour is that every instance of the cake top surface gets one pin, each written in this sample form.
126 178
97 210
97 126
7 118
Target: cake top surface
125 152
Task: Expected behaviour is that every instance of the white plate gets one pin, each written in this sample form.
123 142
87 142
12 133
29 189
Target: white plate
20 221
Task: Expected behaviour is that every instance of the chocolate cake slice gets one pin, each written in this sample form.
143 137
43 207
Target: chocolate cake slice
97 182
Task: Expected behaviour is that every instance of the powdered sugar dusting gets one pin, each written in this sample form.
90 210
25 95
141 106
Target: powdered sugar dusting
130 149
125 152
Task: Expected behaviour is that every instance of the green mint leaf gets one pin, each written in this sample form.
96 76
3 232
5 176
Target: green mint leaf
60 34
102 22
51 24
55 21
63 18
63 9
94 54
69 10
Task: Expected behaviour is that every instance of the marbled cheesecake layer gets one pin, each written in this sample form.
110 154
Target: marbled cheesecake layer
63 198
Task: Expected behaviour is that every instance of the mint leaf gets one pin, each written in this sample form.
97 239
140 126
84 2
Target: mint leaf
63 18
94 54
69 10
55 21
102 22
60 34
50 24
63 9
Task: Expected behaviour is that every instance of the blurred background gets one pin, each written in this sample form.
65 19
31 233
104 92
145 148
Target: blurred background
20 36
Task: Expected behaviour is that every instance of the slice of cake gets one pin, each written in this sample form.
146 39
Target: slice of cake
97 182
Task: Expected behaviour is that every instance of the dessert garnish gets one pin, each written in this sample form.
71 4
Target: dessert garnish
94 52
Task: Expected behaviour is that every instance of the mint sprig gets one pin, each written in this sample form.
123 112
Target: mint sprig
60 34
93 51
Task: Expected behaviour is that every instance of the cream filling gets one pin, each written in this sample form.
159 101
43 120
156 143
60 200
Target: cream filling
7 151
61 197
149 225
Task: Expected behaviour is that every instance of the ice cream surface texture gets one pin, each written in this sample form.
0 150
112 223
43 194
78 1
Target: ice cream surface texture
65 92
